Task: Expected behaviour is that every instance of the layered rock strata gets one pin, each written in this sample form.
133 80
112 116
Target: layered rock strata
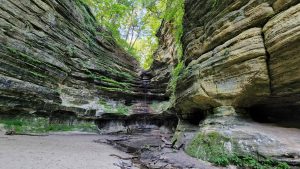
243 55
164 58
240 53
54 57
226 75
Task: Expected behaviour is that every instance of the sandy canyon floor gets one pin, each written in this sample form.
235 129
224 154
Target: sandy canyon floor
58 151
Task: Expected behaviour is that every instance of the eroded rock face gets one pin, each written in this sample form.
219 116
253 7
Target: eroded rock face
244 137
280 5
54 56
240 53
242 61
164 58
282 40
234 73
208 24
282 35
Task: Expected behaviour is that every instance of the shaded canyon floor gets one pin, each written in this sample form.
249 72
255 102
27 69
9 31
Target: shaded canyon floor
59 151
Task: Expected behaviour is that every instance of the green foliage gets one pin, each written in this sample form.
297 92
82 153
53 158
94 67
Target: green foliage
175 76
12 122
221 161
58 127
148 62
211 147
174 14
133 23
283 166
41 125
254 163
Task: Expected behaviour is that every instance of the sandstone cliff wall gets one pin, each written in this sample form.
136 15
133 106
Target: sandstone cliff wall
54 57
164 58
241 53
242 61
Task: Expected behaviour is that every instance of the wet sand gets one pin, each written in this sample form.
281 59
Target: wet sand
67 151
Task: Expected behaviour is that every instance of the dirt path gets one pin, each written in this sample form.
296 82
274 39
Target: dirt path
56 152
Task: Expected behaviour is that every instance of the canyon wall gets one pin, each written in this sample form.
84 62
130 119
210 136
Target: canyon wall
241 53
55 58
242 62
164 58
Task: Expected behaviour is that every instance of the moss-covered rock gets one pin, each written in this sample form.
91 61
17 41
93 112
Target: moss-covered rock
223 151
55 53
210 147
226 137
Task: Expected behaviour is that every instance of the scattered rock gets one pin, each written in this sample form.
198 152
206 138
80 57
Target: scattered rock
148 146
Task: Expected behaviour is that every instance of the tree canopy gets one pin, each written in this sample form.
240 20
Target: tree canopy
133 24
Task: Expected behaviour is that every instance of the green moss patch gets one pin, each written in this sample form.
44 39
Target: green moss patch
214 148
42 125
175 76
159 107
208 147
119 108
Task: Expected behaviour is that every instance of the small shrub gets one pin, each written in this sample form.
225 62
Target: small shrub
249 161
282 165
235 160
221 161
12 122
